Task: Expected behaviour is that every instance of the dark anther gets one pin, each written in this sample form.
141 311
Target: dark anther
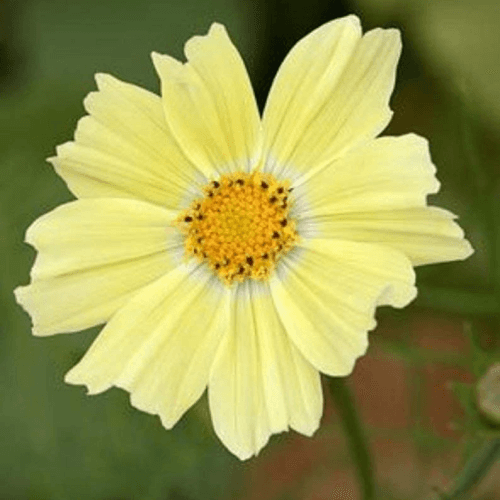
240 182
280 247
241 270
250 261
283 223
197 207
200 217
230 184
285 198
195 250
216 184
264 185
210 194
276 235
273 199
217 265
280 190
290 190
199 240
284 205
188 219
265 256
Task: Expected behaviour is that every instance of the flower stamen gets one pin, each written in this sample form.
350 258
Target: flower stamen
241 227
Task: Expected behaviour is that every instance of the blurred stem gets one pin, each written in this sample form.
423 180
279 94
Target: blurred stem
344 402
474 470
458 301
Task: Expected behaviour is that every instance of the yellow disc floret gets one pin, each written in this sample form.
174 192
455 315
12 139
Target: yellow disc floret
241 227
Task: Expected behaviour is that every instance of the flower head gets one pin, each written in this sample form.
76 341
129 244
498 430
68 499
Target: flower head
234 252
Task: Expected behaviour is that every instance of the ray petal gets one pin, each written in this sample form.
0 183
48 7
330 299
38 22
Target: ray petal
125 149
378 194
210 105
92 255
326 292
330 95
161 344
260 383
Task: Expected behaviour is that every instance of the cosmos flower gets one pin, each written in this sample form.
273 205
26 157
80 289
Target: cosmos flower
234 252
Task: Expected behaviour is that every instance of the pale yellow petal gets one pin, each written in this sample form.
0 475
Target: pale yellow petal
326 292
124 149
291 386
210 105
378 194
426 235
161 344
386 173
93 254
260 383
330 95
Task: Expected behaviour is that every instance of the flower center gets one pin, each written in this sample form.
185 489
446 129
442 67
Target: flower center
241 227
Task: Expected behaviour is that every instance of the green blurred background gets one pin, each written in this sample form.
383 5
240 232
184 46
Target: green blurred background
56 443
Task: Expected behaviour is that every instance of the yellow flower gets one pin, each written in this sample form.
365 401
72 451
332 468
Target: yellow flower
234 252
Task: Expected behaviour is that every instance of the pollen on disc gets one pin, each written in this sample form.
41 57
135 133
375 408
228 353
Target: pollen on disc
241 227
